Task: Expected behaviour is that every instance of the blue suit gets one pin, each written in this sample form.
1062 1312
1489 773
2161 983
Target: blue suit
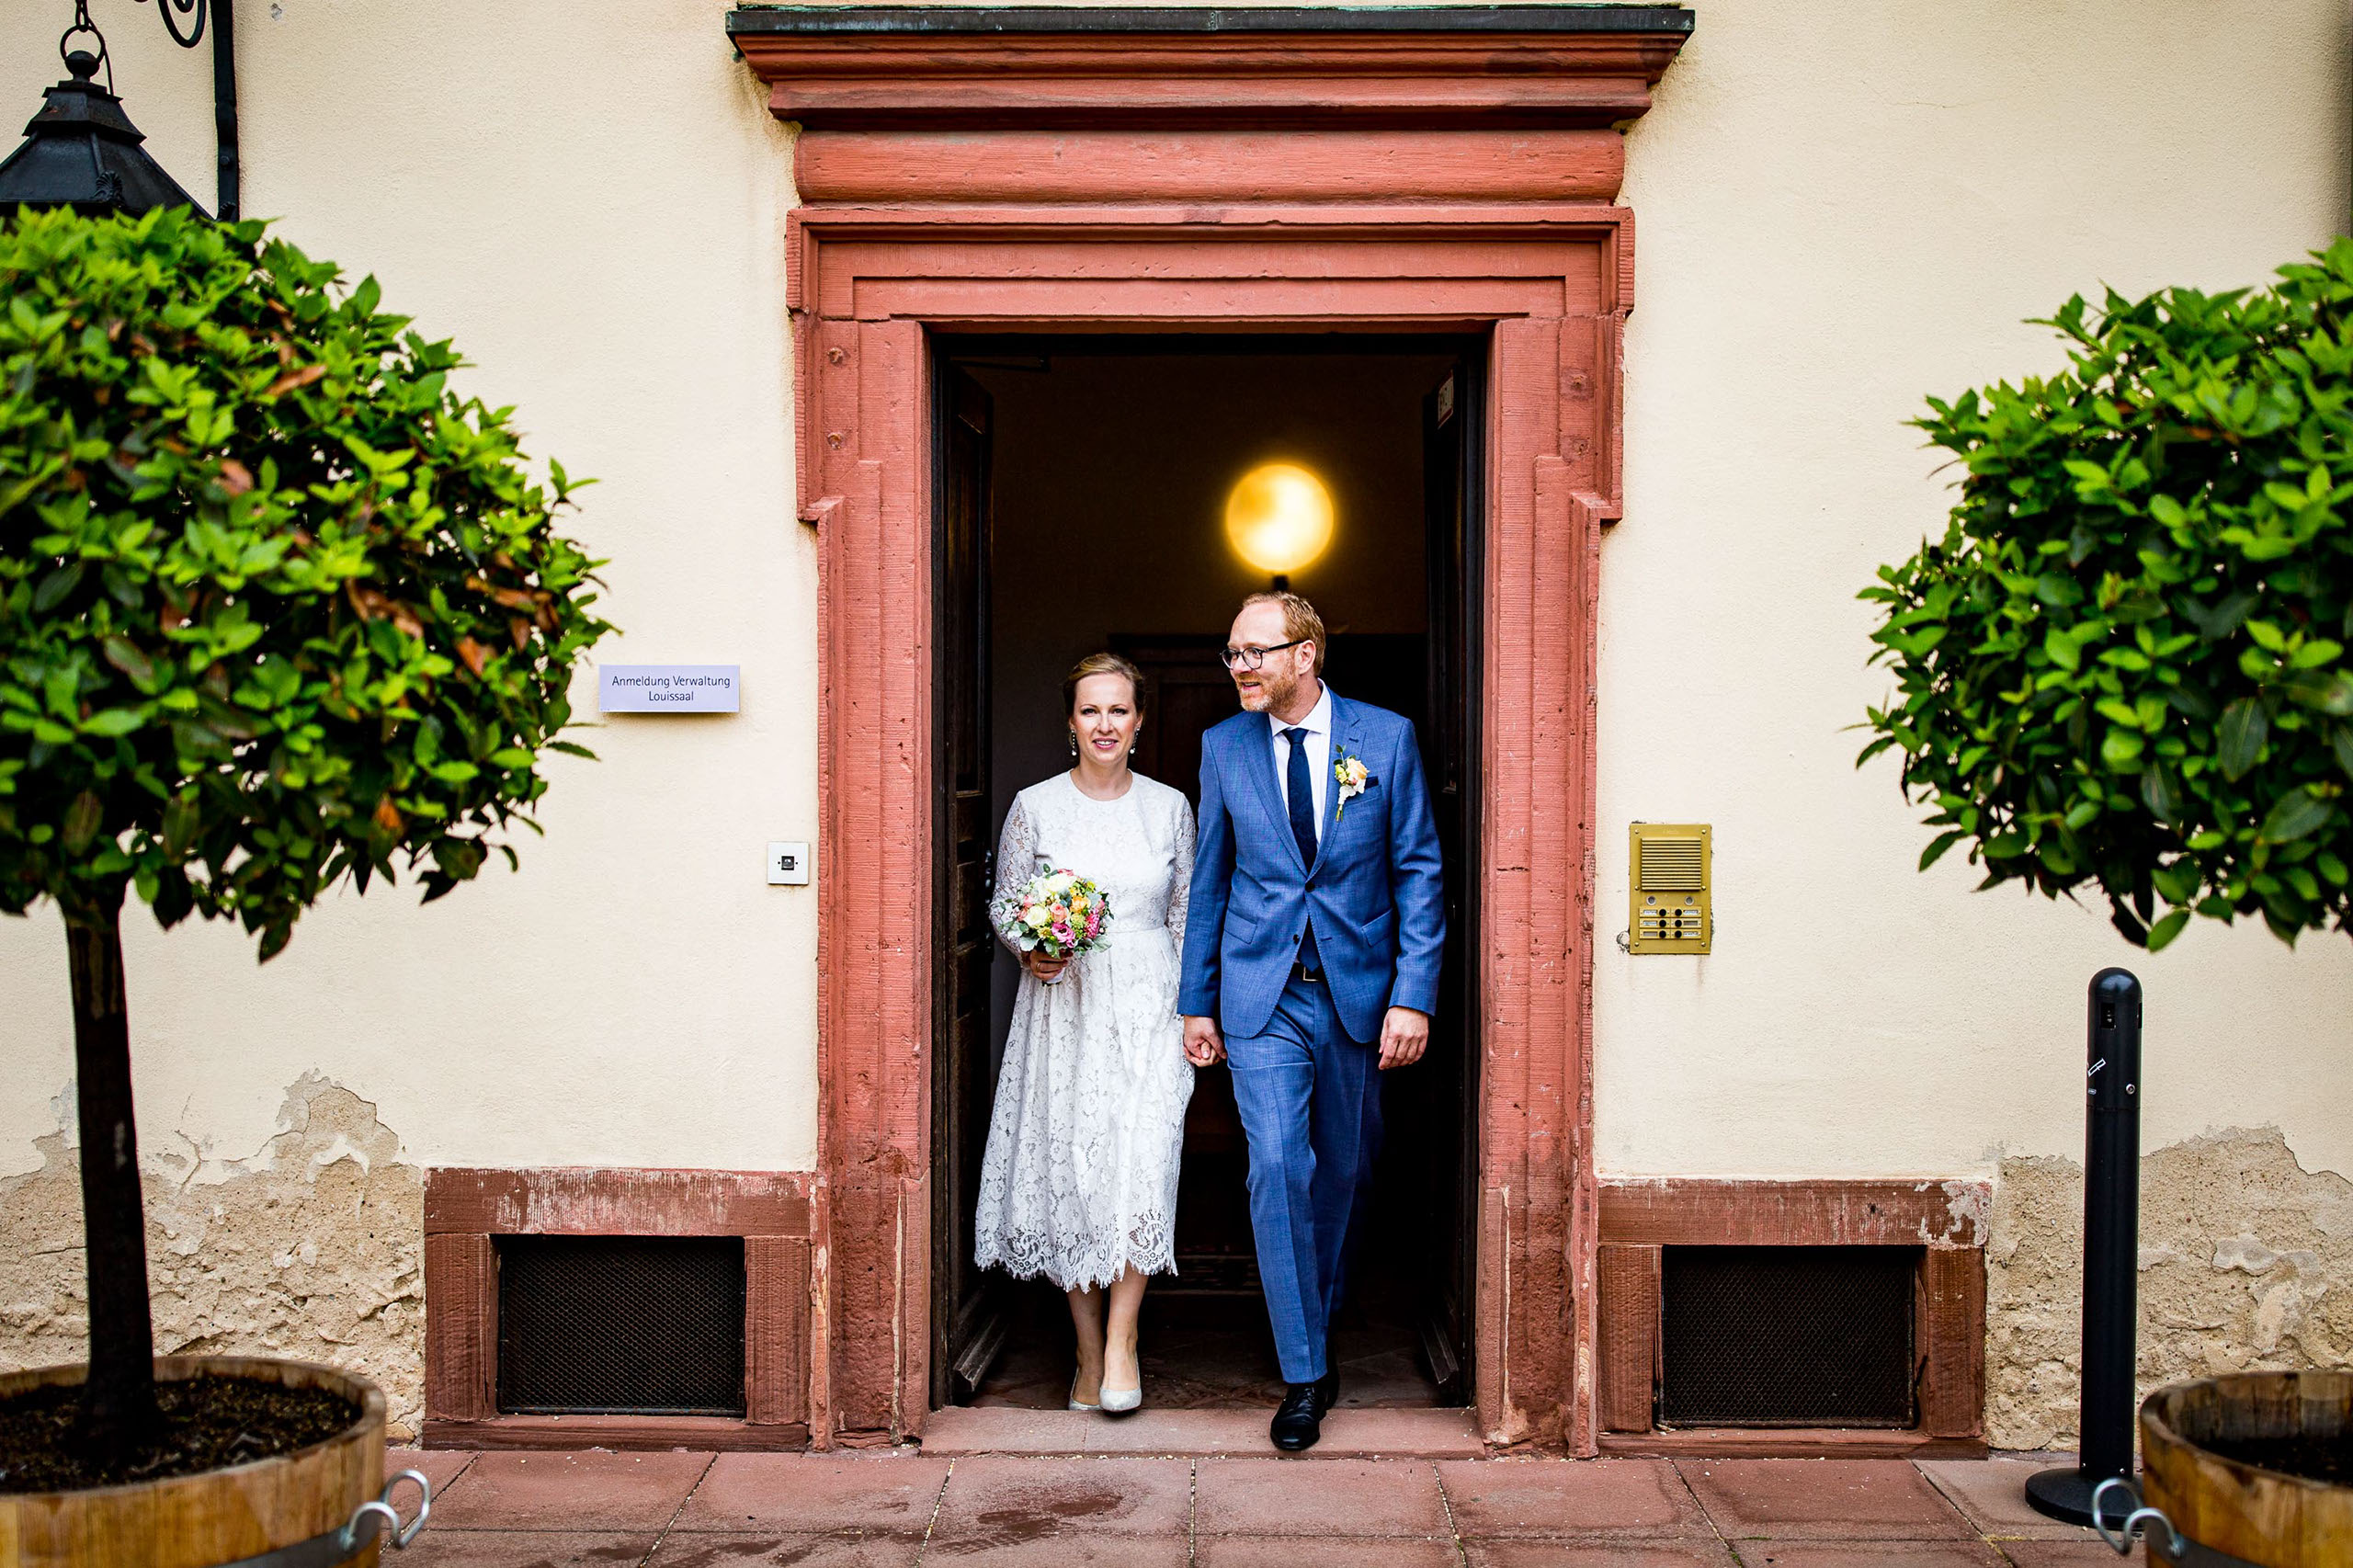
1304 1054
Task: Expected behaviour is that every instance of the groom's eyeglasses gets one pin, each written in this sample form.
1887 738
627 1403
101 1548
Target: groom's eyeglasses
1252 658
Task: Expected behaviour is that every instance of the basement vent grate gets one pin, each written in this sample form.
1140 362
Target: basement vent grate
620 1325
1786 1336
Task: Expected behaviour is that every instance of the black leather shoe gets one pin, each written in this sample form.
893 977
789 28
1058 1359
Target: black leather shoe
1327 1391
1299 1420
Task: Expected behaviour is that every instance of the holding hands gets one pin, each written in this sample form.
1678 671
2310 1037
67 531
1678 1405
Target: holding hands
1204 1047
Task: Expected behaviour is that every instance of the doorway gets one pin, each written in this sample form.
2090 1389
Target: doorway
1079 487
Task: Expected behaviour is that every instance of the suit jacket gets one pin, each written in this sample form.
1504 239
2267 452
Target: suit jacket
1375 890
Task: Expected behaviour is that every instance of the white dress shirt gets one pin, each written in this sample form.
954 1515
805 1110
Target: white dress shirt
1318 725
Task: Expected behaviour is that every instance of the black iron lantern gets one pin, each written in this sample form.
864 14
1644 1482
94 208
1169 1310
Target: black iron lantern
81 150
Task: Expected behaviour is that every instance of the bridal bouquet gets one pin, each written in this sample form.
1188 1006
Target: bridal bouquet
1059 914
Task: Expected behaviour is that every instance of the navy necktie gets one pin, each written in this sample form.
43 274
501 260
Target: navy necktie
1301 800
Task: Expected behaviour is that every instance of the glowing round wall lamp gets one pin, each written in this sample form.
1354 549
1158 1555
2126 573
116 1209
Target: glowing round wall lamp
1279 517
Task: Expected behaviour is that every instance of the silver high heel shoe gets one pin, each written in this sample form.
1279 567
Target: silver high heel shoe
1078 1403
1118 1402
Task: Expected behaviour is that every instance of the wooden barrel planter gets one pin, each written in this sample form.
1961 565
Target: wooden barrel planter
219 1517
2212 1453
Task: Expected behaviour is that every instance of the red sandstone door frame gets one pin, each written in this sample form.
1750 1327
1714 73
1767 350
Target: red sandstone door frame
1550 283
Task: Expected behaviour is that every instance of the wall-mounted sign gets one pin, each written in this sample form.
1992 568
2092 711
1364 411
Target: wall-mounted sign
668 688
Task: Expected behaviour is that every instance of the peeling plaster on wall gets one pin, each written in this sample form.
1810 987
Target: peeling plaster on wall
2246 1262
1970 1204
311 1248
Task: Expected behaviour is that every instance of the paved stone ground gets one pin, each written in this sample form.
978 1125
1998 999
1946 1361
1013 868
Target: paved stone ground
863 1510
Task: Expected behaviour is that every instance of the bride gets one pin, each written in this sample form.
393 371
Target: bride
1079 1180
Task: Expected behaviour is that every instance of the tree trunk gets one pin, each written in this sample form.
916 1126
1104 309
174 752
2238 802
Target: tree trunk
118 1401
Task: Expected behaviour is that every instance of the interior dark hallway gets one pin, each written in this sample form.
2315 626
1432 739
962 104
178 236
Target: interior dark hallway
1109 464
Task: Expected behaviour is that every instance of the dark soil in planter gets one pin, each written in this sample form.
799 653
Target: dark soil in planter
2328 1458
210 1423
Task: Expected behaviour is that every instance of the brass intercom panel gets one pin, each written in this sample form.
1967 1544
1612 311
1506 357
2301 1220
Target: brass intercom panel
1672 909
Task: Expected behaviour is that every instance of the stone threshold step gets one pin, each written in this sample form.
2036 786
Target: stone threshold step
1348 1434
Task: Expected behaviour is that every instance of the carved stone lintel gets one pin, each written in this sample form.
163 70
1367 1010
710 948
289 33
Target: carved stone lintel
872 68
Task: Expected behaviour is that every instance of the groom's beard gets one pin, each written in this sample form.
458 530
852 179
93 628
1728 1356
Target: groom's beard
1272 691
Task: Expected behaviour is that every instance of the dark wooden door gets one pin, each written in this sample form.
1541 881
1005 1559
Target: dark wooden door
968 1319
1450 420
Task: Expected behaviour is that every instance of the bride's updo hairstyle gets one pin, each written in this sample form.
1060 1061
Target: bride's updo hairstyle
1101 664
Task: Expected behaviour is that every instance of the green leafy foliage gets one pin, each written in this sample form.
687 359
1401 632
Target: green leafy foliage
277 605
2124 664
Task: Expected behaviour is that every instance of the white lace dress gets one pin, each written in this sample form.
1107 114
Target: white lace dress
1079 1180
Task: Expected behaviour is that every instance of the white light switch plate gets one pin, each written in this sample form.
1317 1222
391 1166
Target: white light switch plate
788 865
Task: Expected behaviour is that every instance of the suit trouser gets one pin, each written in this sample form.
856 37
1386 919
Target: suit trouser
1310 1099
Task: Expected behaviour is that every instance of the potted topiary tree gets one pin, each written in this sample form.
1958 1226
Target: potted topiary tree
278 608
2124 668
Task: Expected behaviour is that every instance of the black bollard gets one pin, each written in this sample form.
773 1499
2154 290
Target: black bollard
2111 1258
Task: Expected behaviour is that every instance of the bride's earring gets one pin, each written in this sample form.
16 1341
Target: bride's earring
1073 743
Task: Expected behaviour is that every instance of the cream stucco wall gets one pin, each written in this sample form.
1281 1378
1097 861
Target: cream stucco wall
1843 205
590 200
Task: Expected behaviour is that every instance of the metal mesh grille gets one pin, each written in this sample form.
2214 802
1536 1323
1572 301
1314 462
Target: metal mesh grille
1786 1336
635 1326
1671 865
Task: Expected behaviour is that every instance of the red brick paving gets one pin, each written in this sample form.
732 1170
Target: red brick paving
683 1510
1821 1500
441 1466
1329 1497
1870 1554
1992 1494
2063 1554
1709 1552
798 1550
816 1494
528 1549
591 1491
1563 1497
1056 1545
997 1497
1285 1551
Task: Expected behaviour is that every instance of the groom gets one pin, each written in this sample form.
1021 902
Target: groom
1310 944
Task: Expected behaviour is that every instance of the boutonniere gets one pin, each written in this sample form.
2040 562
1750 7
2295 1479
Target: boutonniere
1353 777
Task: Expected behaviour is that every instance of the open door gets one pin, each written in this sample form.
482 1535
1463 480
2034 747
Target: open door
1450 447
968 1321
1403 1334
